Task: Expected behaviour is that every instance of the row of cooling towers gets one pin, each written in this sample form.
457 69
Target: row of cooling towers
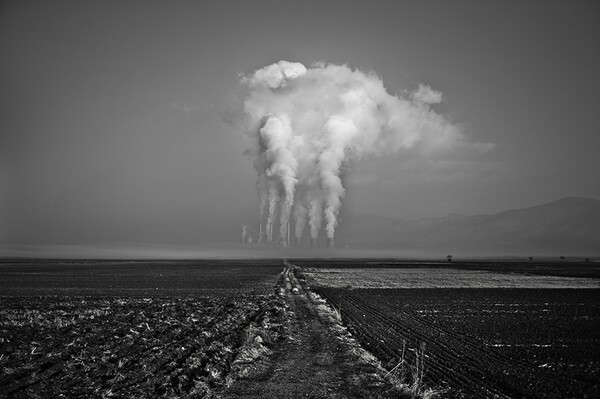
265 238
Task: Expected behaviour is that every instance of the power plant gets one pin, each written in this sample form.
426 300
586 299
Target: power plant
265 237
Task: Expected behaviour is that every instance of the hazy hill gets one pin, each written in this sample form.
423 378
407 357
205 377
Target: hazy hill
569 226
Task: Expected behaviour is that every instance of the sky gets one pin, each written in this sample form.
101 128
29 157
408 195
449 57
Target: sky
116 116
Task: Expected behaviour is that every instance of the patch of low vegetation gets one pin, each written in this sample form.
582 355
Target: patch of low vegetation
422 277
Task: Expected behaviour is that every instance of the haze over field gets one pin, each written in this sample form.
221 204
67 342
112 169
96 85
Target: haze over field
124 127
570 226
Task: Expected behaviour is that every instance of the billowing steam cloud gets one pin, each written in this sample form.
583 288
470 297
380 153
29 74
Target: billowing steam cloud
309 123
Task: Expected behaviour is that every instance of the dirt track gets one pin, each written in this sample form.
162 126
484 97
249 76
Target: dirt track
317 359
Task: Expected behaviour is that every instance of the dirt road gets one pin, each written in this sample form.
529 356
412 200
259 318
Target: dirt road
316 359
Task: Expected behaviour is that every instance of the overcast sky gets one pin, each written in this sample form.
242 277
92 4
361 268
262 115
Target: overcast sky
112 112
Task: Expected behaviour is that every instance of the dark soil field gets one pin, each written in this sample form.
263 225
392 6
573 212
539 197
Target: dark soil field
256 329
137 278
129 329
517 343
527 342
202 329
56 347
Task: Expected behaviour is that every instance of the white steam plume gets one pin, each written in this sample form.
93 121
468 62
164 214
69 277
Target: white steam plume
245 234
276 136
308 123
300 214
273 196
315 210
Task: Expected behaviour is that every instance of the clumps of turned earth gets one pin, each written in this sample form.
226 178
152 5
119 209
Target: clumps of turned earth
129 347
258 342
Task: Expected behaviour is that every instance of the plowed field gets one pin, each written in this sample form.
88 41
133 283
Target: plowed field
483 343
129 329
182 329
126 347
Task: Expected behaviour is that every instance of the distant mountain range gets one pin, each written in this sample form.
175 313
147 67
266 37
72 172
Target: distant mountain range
567 226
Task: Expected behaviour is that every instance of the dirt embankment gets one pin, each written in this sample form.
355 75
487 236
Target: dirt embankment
317 357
